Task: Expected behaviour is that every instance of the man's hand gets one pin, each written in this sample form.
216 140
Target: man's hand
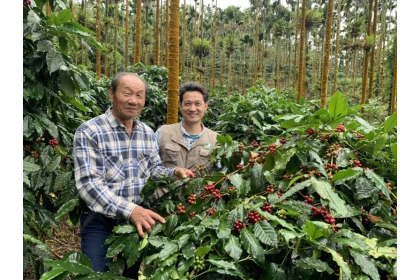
145 218
181 172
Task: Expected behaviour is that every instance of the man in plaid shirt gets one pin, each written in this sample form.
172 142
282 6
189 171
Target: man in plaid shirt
114 155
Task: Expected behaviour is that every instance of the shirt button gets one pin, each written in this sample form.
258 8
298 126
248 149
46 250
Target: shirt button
132 181
131 161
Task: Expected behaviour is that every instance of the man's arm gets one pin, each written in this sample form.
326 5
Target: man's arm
89 171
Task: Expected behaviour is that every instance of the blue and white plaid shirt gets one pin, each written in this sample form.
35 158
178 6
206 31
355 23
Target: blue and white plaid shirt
111 168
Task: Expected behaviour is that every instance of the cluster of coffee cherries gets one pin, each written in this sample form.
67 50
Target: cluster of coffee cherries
355 163
26 3
200 167
308 199
267 208
239 225
198 264
211 211
181 209
333 150
240 167
340 128
241 146
283 140
231 190
279 194
389 184
360 136
272 148
254 144
191 214
390 277
311 131
53 143
288 176
313 171
251 160
331 166
254 217
364 215
217 195
192 198
35 154
270 189
323 211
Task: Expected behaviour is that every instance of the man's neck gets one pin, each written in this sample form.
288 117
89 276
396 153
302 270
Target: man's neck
192 129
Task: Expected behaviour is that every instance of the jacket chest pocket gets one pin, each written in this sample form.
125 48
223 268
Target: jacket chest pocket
170 154
143 170
204 156
114 168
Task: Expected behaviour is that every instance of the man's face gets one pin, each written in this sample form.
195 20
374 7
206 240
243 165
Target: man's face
193 107
128 99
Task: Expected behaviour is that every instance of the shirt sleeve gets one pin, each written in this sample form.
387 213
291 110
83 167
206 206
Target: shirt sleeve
157 135
89 171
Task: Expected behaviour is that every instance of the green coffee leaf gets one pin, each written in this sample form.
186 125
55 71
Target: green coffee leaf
233 247
366 264
265 233
252 245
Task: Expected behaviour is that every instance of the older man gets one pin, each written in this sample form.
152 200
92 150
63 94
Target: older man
114 155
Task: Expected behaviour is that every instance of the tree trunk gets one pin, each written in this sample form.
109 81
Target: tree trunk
106 66
98 38
256 43
378 91
213 77
47 9
366 59
337 46
115 36
156 35
394 81
126 36
230 74
167 35
184 33
326 61
173 64
372 55
137 47
302 55
295 74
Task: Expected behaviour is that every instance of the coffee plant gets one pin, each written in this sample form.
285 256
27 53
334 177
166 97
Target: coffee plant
317 200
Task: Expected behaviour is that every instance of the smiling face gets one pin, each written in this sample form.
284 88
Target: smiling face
193 107
128 99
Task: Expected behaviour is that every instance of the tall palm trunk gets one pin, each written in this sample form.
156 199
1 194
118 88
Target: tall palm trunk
213 77
173 64
184 34
115 35
256 42
380 48
156 43
47 9
137 47
372 56
394 81
167 35
126 36
106 61
98 38
366 58
302 55
295 74
337 46
230 73
326 61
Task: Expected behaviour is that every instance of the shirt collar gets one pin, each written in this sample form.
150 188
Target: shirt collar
184 132
115 123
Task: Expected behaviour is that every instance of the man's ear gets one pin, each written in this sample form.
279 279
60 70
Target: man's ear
111 95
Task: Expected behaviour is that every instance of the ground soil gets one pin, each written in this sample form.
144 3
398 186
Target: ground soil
63 239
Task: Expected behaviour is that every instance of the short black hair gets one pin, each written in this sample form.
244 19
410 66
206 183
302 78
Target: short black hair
116 80
193 87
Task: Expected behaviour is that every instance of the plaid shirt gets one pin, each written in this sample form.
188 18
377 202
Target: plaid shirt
111 168
188 140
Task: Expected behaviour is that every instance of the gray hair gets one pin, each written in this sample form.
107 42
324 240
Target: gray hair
116 80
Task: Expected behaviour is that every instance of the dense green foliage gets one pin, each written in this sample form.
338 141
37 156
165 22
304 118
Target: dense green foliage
338 158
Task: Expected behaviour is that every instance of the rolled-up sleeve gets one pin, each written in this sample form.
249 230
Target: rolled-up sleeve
89 170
